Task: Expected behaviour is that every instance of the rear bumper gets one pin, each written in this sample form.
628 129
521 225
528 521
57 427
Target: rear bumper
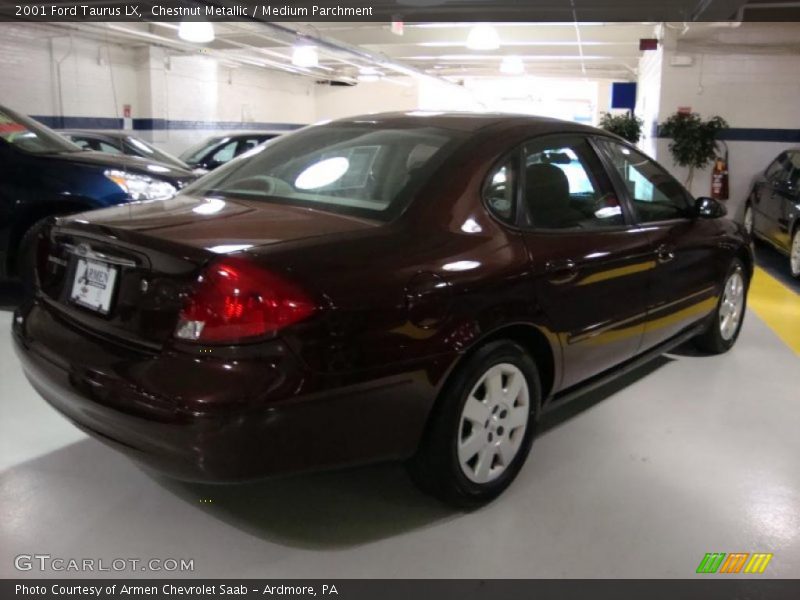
198 420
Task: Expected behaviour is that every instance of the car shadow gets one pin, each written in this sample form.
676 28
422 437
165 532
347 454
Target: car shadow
334 509
559 415
776 264
10 295
352 506
316 511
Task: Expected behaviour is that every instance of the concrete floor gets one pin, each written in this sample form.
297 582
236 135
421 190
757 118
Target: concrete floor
687 456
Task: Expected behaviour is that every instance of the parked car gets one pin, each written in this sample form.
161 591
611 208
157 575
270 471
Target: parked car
399 287
44 174
120 142
772 211
218 150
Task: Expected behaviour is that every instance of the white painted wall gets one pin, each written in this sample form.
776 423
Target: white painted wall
45 72
757 86
199 88
335 102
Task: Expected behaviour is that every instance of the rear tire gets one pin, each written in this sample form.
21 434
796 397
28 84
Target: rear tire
726 323
481 429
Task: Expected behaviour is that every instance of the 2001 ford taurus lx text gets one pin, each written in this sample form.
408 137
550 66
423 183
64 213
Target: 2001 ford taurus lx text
399 286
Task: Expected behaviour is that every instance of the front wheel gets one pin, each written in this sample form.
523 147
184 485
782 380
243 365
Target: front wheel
481 429
724 328
794 254
748 218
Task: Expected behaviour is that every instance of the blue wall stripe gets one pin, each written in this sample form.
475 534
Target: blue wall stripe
80 122
158 124
734 134
151 124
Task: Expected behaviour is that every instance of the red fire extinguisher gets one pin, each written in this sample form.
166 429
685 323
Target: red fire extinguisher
719 175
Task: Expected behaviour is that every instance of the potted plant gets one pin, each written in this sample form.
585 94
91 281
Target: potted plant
626 125
694 141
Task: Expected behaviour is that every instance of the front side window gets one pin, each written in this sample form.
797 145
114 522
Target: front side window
341 167
89 143
778 171
226 153
655 194
196 153
565 187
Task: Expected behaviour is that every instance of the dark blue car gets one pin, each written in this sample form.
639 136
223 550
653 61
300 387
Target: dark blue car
42 174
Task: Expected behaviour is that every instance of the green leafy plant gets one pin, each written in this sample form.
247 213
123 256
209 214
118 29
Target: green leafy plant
626 125
694 141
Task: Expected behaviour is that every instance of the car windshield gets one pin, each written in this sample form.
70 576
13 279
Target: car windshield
144 149
30 136
350 168
198 151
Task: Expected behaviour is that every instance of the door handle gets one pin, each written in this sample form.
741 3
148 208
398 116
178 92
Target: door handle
561 271
664 254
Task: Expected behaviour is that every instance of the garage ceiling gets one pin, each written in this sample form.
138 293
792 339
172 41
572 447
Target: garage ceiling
596 50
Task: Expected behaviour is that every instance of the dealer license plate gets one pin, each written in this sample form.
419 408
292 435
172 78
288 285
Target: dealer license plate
93 286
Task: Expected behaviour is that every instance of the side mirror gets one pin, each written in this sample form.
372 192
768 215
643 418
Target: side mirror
708 208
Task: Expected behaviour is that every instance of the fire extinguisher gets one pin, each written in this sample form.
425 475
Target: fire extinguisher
719 175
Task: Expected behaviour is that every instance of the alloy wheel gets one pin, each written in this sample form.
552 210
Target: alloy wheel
732 305
794 255
748 219
493 423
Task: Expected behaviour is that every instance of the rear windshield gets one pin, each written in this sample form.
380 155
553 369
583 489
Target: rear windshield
30 136
359 169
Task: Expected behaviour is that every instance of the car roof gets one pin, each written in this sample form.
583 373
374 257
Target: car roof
469 121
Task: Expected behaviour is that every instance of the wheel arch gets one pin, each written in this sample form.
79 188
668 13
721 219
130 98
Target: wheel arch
542 347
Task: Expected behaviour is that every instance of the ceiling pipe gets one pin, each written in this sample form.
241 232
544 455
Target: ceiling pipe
290 35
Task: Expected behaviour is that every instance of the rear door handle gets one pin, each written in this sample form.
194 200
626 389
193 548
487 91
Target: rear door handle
664 254
561 271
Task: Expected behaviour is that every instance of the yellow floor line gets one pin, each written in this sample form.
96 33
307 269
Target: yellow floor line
778 307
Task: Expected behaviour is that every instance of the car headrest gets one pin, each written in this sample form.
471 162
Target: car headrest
546 186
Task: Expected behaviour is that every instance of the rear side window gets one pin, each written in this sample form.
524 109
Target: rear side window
655 194
565 187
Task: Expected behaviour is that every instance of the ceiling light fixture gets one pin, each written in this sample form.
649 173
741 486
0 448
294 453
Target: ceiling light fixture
483 37
512 65
305 56
199 32
368 74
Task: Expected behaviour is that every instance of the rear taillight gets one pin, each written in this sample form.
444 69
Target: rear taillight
235 299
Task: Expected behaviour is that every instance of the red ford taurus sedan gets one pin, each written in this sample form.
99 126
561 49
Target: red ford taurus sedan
416 286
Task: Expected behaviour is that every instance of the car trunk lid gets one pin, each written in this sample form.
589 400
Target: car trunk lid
151 253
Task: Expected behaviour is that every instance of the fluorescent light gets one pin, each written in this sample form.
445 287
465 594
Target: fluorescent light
368 74
512 65
305 56
483 37
199 32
